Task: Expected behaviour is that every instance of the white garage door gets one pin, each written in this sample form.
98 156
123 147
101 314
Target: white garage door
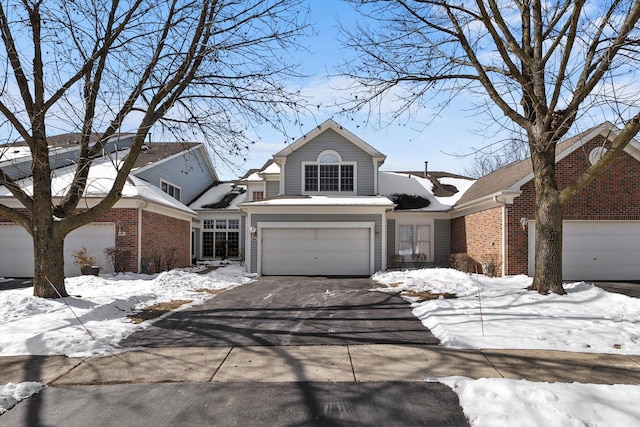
16 248
597 250
316 251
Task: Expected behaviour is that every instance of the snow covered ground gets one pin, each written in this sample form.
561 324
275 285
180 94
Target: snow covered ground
587 319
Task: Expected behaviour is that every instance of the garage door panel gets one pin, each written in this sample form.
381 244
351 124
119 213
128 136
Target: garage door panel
16 248
598 250
315 251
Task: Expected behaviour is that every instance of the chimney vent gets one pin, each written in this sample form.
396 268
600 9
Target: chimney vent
426 169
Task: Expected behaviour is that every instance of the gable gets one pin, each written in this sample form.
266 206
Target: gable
330 124
188 170
329 141
511 178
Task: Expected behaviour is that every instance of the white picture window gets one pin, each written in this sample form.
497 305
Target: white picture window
414 239
329 174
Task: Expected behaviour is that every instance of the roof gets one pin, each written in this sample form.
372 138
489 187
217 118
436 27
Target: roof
66 139
221 195
414 192
323 201
157 151
512 175
330 124
100 181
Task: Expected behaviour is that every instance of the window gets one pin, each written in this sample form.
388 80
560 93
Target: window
414 239
258 195
224 242
329 174
170 189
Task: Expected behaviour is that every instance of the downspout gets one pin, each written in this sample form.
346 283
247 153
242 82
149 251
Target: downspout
503 205
142 206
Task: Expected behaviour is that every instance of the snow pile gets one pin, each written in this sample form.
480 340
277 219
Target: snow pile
11 394
495 402
37 326
587 319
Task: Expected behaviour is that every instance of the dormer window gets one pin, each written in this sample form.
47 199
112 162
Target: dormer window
329 174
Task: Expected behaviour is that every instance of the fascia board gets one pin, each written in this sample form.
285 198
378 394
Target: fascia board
417 215
301 210
330 124
487 202
606 130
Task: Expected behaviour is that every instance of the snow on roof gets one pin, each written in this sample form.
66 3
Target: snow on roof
391 183
10 154
253 177
218 193
324 201
101 176
272 168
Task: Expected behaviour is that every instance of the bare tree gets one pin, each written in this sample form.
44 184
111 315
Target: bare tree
490 158
538 65
208 67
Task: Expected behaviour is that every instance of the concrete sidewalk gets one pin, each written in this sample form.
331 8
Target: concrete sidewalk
332 363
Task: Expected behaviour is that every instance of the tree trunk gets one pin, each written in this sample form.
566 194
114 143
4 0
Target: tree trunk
547 275
48 241
48 251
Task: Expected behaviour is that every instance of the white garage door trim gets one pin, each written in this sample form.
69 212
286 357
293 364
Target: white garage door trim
16 248
596 250
318 225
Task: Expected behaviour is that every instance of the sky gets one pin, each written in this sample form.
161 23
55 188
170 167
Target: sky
407 145
585 320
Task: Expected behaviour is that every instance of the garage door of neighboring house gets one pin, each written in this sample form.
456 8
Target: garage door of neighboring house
16 248
597 250
316 250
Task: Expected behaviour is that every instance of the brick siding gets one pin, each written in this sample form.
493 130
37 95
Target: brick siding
479 236
613 196
162 235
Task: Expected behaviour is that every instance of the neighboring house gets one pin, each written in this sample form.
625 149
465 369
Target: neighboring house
323 207
151 226
494 221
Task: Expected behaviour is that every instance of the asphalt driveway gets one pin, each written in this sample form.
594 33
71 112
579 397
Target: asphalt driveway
290 311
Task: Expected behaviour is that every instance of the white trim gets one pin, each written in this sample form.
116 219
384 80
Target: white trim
199 147
169 183
606 130
140 238
330 124
418 221
303 165
504 239
284 225
486 202
315 209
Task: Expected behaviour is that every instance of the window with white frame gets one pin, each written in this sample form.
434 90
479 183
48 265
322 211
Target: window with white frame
258 195
329 174
221 238
414 240
170 189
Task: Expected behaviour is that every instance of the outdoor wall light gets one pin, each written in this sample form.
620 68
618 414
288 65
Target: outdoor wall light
120 228
376 230
524 222
254 233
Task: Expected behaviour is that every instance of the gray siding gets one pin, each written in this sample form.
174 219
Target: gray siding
377 252
329 140
391 239
442 242
188 171
273 188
